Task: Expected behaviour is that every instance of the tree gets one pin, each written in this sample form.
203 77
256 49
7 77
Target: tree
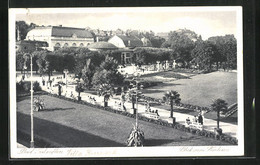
68 62
106 91
87 73
51 64
157 41
79 89
105 77
136 137
227 48
27 61
204 55
82 57
19 61
182 42
151 55
47 63
134 93
42 63
107 73
131 95
116 54
23 28
219 105
171 97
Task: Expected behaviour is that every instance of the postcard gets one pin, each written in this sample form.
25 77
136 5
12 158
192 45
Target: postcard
126 82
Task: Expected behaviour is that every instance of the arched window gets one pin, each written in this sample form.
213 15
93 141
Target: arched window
81 45
66 45
74 44
56 45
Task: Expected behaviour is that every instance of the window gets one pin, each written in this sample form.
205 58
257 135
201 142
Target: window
66 45
56 45
127 55
74 44
81 45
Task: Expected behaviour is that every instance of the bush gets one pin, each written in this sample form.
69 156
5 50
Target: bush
119 90
19 86
27 86
36 86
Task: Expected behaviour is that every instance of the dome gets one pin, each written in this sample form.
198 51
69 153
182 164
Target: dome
102 45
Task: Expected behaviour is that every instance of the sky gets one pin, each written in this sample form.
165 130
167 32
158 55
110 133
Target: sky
206 23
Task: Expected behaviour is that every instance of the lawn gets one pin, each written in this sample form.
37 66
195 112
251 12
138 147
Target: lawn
200 89
68 124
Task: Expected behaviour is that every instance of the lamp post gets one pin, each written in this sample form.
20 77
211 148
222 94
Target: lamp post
32 137
136 97
32 140
66 71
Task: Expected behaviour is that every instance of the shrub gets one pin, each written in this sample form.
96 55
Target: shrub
193 131
19 86
187 129
119 90
27 86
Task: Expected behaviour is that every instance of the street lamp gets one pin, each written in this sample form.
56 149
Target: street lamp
32 137
137 93
66 71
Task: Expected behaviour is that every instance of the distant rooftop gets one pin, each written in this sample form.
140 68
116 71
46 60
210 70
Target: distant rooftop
134 41
60 31
102 45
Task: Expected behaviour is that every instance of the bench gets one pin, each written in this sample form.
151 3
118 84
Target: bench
151 115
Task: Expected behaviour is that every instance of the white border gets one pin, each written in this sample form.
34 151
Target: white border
180 151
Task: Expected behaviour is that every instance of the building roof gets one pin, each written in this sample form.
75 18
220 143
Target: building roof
59 31
102 45
131 41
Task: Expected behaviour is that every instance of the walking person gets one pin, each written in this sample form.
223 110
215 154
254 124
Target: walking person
200 119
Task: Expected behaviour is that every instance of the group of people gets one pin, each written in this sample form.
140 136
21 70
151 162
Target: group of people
120 105
148 109
92 100
196 119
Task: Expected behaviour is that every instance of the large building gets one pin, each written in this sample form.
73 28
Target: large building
58 36
126 44
124 41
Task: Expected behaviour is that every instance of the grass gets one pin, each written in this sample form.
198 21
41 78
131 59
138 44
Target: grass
168 74
69 124
200 89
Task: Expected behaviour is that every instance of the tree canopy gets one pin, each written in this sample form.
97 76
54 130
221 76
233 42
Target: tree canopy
182 42
227 47
204 54
107 73
24 28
